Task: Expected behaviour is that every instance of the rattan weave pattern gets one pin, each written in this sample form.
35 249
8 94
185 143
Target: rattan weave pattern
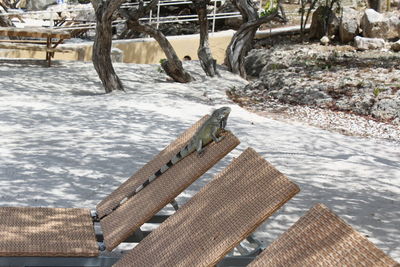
35 231
321 238
217 218
107 204
122 222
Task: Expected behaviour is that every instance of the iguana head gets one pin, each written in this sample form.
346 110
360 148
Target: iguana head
221 115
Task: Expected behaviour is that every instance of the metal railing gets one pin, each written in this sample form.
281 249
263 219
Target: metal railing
150 19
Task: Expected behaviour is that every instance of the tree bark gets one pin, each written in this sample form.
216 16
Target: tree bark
6 22
303 21
4 5
102 44
173 65
207 62
241 42
374 4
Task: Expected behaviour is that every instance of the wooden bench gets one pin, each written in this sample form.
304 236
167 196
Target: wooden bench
45 40
77 28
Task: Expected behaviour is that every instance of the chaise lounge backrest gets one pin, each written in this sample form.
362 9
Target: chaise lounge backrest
122 222
321 238
217 218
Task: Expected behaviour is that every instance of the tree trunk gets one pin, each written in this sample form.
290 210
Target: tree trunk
173 65
376 5
6 22
304 21
208 63
241 42
238 49
102 46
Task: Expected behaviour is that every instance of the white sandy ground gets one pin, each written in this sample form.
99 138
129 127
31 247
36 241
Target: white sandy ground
63 143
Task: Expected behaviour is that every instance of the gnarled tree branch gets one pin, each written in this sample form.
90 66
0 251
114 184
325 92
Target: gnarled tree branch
173 65
241 42
208 63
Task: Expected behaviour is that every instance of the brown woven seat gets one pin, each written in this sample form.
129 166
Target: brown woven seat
321 238
33 231
217 218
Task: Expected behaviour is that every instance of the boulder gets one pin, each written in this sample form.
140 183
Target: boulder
117 55
374 24
396 46
83 12
324 40
358 103
39 4
231 23
394 25
255 61
170 29
317 29
378 5
274 66
363 43
349 25
387 108
301 95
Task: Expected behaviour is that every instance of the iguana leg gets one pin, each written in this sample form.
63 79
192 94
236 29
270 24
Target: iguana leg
200 149
214 136
223 123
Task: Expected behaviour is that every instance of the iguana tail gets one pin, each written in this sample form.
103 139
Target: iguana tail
180 155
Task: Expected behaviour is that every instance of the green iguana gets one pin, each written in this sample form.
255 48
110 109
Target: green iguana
209 131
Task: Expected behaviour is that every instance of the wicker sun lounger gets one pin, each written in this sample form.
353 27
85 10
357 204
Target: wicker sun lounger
321 238
34 236
216 219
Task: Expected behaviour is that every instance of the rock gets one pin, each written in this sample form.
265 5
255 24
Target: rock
39 4
396 46
227 7
255 62
394 25
117 55
359 104
379 6
170 29
231 23
387 108
349 3
324 40
317 31
377 25
302 96
83 12
374 24
362 43
349 25
328 78
274 66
